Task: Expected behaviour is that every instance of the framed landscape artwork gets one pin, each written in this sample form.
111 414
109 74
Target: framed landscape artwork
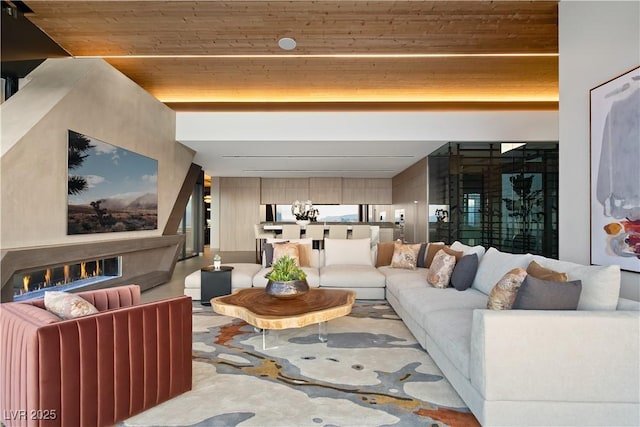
615 172
109 189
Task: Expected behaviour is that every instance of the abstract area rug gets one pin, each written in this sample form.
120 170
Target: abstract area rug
370 372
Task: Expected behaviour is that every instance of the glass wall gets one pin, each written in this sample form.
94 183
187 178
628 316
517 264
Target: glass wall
503 195
193 222
326 213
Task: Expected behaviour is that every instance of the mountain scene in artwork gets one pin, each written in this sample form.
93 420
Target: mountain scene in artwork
109 188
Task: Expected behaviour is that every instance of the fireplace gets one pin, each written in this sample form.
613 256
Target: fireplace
32 284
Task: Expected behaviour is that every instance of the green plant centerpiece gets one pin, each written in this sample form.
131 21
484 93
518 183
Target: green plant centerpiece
286 279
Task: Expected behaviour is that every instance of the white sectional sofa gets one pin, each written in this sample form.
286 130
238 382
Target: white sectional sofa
511 367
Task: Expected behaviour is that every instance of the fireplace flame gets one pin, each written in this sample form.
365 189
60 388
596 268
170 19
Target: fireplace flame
98 268
67 274
25 282
83 270
47 277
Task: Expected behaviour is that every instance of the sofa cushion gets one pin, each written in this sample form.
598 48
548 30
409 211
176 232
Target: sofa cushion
405 255
441 269
464 272
397 278
351 276
600 284
391 273
418 302
347 252
242 274
539 272
450 330
537 294
192 281
385 253
466 250
67 306
493 265
504 292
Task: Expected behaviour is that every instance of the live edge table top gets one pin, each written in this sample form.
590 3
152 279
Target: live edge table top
255 307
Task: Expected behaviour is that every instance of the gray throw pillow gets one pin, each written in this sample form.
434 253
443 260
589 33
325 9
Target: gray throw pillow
421 254
464 272
538 294
268 254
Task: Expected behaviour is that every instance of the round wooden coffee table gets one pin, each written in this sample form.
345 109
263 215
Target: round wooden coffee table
265 312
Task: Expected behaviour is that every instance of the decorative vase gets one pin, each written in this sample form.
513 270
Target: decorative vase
288 289
216 264
303 222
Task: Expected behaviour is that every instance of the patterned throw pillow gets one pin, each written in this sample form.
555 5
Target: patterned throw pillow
504 292
405 256
289 249
441 269
66 305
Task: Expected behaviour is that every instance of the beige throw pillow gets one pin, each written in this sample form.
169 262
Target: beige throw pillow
441 268
304 254
405 256
504 292
289 249
67 306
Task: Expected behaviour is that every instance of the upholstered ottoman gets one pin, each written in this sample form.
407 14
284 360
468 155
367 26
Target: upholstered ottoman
241 277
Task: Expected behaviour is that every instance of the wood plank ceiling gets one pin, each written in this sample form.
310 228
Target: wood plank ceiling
224 55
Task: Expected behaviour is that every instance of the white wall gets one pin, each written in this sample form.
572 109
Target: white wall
369 126
598 40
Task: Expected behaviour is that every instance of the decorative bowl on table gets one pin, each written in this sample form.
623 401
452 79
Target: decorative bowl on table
288 289
286 279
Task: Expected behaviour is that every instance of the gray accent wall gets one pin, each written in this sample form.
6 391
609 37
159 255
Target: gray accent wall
91 97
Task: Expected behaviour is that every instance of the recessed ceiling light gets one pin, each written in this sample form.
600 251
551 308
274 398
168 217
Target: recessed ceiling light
287 43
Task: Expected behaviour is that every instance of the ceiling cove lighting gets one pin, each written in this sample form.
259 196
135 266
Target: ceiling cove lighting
294 156
318 170
338 55
301 96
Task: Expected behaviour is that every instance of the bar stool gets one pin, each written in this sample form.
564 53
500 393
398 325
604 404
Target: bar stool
261 236
290 231
316 233
361 232
338 231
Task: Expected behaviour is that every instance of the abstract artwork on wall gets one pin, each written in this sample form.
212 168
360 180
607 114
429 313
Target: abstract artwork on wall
109 188
615 172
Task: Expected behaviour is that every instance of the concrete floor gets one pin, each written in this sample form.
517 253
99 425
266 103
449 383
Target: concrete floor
175 287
